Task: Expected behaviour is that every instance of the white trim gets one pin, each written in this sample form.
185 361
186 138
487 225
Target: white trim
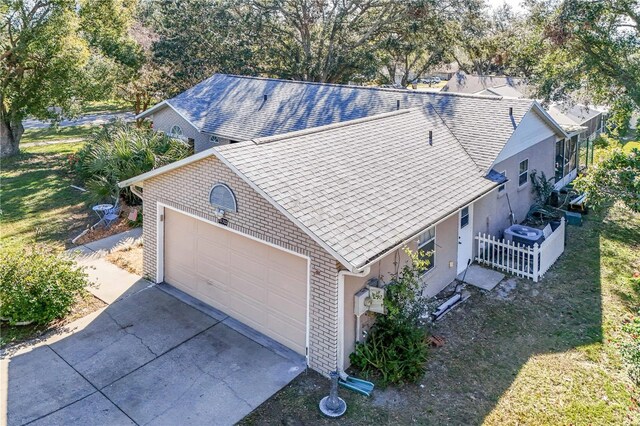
159 106
169 167
461 267
340 337
161 207
150 111
435 249
160 242
282 210
520 173
553 124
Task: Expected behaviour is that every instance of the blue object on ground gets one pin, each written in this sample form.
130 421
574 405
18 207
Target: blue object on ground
360 386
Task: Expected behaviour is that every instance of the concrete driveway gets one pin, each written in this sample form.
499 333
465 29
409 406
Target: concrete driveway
148 358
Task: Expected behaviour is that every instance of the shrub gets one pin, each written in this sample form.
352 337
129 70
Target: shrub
396 347
36 286
631 349
119 151
541 187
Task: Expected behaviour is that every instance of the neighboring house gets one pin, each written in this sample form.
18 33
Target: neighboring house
445 72
327 187
581 122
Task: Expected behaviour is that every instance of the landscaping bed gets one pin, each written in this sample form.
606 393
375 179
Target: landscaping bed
12 335
525 353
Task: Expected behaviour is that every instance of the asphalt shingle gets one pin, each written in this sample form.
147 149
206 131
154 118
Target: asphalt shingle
365 186
235 107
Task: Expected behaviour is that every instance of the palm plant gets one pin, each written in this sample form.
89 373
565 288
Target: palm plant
119 151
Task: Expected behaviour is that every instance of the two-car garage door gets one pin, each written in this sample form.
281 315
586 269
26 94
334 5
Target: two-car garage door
255 283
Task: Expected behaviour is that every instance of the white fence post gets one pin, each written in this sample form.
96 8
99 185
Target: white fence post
520 259
536 250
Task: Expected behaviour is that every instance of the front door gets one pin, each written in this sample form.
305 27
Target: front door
465 237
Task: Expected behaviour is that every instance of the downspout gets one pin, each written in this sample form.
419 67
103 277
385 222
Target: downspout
341 275
136 192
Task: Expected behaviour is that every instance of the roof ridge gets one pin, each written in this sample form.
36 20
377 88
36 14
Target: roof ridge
352 86
325 128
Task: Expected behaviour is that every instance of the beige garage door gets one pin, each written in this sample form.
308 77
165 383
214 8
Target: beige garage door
259 285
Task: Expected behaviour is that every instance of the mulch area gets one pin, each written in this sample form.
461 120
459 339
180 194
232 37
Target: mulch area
121 225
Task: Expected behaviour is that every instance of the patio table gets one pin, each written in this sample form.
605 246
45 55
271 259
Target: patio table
101 210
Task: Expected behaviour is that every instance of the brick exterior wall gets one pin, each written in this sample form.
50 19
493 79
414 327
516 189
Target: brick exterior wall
187 189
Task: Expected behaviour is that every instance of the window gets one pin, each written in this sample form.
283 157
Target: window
221 196
427 248
559 160
464 217
523 175
176 132
502 187
570 152
214 140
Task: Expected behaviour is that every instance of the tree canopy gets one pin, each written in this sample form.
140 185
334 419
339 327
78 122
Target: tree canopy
616 177
592 47
54 54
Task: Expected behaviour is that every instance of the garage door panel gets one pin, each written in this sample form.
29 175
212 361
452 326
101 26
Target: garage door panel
242 265
250 248
296 265
288 333
291 288
293 308
213 233
257 284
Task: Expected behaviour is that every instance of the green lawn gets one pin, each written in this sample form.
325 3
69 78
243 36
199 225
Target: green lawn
57 133
37 201
109 106
541 354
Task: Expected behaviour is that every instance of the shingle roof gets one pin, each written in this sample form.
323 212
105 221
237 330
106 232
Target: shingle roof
364 186
469 83
235 107
576 114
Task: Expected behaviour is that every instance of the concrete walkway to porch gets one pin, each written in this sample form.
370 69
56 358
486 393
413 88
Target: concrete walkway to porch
111 283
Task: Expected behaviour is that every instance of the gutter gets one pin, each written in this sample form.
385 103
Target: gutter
134 189
414 235
340 342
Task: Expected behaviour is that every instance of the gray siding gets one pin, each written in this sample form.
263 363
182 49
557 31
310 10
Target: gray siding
164 119
491 214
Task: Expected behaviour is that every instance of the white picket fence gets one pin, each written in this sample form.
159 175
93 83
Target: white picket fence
519 259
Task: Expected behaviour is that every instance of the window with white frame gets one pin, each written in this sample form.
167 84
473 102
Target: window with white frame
502 187
464 217
427 248
176 132
523 174
214 140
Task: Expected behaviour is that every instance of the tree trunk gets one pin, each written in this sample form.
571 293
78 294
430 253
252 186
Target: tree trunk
10 135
